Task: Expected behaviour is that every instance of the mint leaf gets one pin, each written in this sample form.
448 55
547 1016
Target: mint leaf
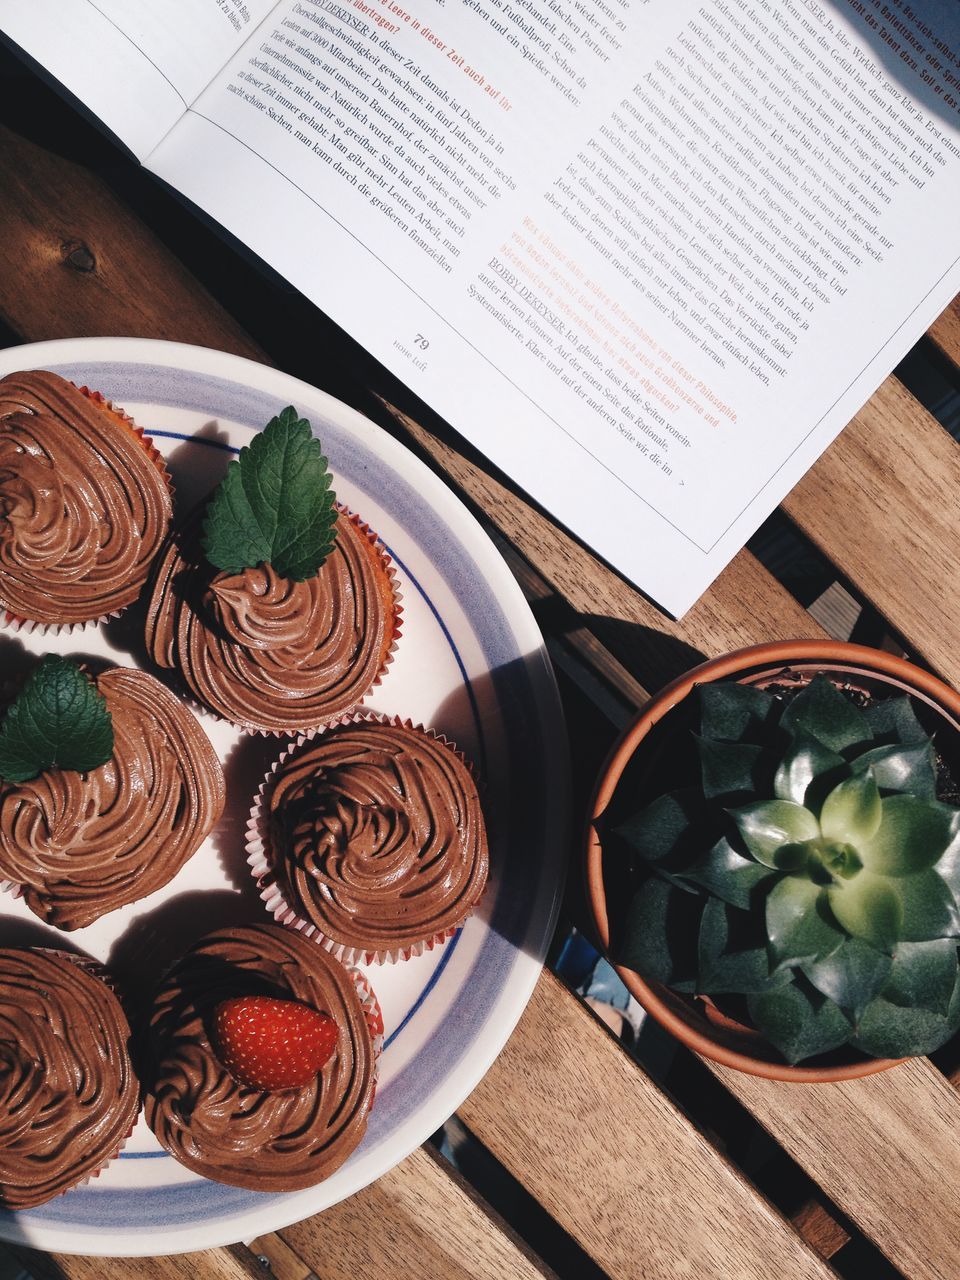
58 718
275 505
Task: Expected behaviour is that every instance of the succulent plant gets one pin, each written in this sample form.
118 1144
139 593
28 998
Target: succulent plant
811 870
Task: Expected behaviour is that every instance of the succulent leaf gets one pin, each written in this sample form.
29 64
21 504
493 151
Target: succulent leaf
923 974
868 907
823 711
799 1020
728 874
766 825
820 874
721 964
659 934
799 925
889 1030
730 712
851 976
948 868
656 831
728 769
902 768
894 720
928 907
806 760
912 836
851 812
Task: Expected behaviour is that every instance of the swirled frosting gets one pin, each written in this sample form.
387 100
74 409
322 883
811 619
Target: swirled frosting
84 508
377 836
225 1130
267 653
83 844
68 1095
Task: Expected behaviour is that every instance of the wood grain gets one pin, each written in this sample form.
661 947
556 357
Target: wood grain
616 1163
945 331
75 261
744 606
420 1219
284 1264
825 1140
886 1148
235 1263
882 505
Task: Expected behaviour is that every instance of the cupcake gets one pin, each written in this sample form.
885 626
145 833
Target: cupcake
84 502
279 631
232 1089
371 838
68 1094
113 801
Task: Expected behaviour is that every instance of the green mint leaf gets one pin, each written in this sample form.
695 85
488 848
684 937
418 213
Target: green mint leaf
58 719
275 505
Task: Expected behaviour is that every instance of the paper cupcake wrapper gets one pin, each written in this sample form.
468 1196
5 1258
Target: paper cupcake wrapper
260 858
374 1019
30 626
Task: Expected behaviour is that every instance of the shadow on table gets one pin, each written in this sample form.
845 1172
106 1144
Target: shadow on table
651 656
509 724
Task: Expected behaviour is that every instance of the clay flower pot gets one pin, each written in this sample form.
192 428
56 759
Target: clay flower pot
697 1021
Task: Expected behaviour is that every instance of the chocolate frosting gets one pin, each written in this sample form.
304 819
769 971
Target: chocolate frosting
83 844
267 653
377 834
83 506
228 1131
68 1095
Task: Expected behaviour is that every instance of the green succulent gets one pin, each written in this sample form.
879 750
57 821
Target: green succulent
811 871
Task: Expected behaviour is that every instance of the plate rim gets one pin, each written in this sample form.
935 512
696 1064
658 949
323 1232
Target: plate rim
555 821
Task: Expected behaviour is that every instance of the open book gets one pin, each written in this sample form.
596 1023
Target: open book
650 256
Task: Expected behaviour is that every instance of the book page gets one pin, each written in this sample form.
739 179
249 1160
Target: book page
649 255
135 65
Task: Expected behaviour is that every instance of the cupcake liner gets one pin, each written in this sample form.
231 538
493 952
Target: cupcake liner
260 860
374 1018
386 561
121 416
30 626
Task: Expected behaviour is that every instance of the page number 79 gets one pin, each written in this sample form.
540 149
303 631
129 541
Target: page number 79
421 342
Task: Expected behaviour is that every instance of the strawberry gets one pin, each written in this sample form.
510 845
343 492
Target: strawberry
271 1044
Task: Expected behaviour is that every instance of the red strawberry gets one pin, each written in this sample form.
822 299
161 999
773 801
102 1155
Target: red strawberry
273 1044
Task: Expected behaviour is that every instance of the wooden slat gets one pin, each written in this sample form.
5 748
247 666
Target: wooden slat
893 1162
820 1229
421 1219
210 1264
284 1263
616 1163
74 260
744 606
825 1139
945 331
883 504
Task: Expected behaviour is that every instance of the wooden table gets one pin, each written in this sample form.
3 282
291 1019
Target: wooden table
708 1173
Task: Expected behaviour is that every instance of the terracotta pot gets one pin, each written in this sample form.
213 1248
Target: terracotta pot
698 1022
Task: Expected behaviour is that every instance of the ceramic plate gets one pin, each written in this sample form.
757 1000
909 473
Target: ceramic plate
470 663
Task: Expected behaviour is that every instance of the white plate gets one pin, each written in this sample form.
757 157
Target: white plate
471 663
